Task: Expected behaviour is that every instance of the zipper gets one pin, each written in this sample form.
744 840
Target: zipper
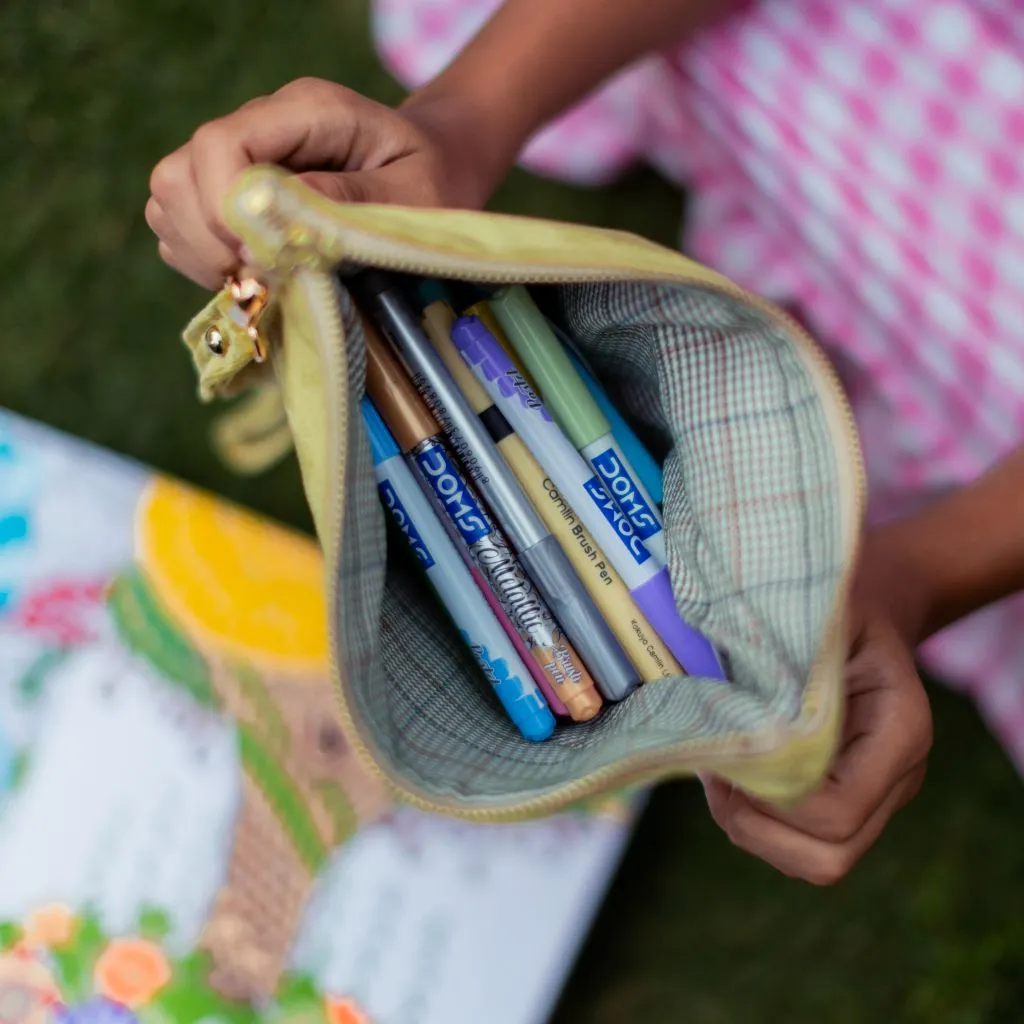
320 290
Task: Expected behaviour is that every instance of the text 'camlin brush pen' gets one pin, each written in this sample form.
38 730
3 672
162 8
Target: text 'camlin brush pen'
570 402
451 580
648 581
540 553
652 658
418 434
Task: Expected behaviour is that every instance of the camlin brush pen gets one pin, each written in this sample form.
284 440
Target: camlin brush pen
644 648
648 581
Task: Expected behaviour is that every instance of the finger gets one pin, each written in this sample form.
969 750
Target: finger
886 735
175 251
175 215
793 852
186 265
290 128
164 228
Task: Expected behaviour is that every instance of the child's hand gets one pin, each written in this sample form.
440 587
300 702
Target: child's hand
886 738
344 145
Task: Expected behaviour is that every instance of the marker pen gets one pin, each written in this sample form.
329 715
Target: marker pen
532 666
466 300
418 435
642 645
450 578
539 552
647 581
577 413
535 670
648 472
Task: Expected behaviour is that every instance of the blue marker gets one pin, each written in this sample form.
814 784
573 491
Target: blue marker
648 472
454 584
576 412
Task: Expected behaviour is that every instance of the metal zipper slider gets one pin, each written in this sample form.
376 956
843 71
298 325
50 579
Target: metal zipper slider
251 301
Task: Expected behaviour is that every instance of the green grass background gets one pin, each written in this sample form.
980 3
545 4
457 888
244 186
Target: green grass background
930 928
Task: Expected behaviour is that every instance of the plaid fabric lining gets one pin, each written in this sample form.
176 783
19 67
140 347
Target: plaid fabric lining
752 515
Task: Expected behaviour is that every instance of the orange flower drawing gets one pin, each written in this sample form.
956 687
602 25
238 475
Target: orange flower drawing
51 927
131 972
343 1011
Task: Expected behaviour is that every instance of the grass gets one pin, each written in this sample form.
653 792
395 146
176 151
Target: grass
929 929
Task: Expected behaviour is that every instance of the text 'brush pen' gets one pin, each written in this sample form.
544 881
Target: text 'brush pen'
578 414
648 581
652 658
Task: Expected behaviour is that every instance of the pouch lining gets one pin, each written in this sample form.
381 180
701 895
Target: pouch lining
754 523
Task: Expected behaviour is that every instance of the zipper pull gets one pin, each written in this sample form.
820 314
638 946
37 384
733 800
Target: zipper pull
270 212
251 299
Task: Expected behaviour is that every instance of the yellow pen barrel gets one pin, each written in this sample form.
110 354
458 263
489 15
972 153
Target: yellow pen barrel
644 648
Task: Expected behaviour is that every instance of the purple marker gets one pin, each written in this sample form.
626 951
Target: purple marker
648 582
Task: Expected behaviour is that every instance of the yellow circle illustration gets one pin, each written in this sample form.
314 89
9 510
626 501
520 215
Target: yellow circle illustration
234 582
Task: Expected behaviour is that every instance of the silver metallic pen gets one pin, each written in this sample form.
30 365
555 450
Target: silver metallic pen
539 552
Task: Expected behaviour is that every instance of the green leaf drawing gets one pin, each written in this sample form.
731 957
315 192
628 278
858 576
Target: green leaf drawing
284 797
33 682
155 925
76 961
298 995
297 990
333 797
9 935
147 628
272 726
189 999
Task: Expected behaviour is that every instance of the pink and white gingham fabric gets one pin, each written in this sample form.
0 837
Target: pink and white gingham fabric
863 163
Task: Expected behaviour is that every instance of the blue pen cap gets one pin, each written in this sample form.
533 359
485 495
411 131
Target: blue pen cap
382 445
647 470
430 290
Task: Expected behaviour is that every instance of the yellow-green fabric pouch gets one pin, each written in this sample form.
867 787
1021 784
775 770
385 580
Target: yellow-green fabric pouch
763 496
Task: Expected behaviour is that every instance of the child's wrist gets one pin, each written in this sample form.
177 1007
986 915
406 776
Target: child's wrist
898 574
479 147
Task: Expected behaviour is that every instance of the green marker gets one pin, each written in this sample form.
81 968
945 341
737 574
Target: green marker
569 399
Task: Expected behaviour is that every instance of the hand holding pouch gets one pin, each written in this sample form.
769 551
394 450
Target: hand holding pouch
763 499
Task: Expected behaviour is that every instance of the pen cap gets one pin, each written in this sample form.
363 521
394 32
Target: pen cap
564 393
382 445
647 470
368 284
463 295
395 396
438 320
430 290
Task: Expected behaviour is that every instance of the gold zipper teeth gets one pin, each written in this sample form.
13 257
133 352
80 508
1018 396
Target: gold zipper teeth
630 771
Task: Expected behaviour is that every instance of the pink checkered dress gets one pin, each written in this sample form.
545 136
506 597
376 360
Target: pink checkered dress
862 162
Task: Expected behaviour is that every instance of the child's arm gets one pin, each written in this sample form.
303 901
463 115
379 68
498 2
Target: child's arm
967 550
450 144
536 58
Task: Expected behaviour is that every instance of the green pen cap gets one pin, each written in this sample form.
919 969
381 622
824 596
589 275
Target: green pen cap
566 396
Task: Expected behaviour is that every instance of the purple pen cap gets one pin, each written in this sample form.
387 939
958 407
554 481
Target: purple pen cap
692 649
